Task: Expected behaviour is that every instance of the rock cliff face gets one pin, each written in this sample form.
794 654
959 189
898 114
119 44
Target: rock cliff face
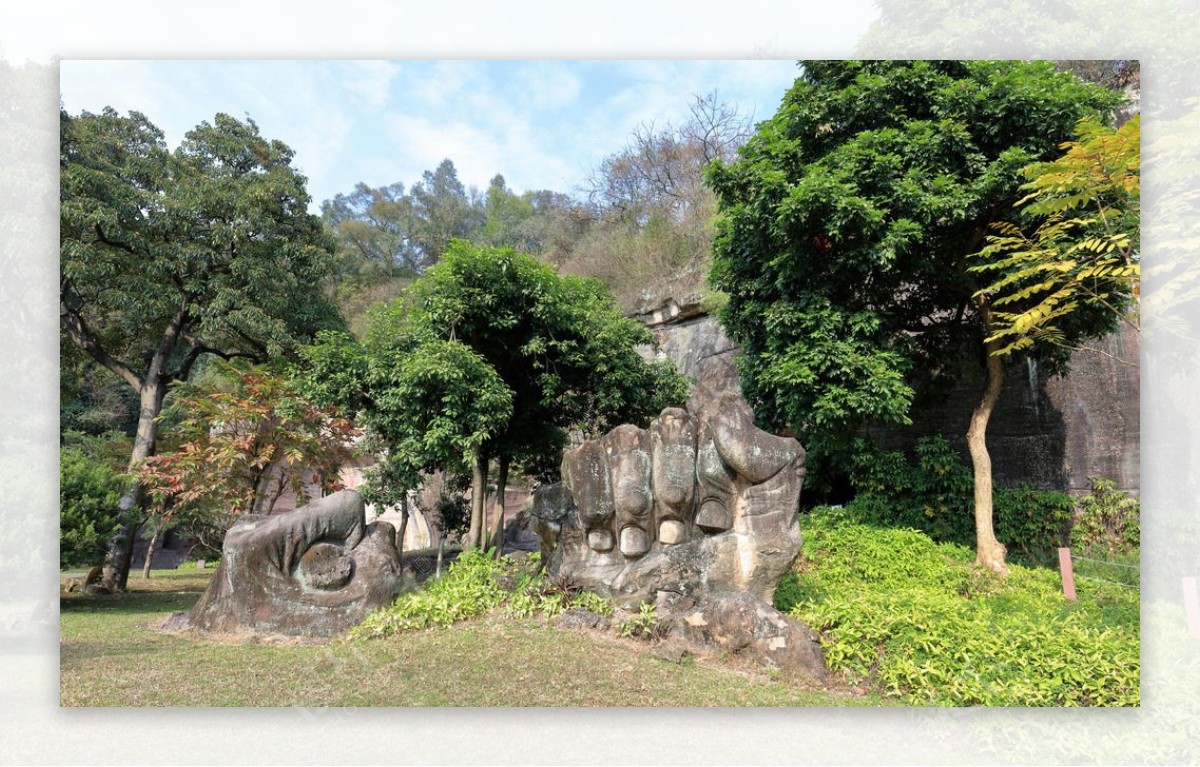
1052 433
1100 402
696 344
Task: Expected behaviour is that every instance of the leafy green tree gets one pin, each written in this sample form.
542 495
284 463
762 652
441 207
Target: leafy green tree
373 227
490 356
507 214
444 211
847 229
170 256
1084 251
427 405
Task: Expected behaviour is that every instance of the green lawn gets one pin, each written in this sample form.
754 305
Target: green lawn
112 656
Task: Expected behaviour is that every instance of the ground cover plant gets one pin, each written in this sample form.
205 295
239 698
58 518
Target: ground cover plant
907 619
921 623
476 584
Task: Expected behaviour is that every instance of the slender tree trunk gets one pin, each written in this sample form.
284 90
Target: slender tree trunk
498 525
989 552
150 551
437 573
479 472
267 490
280 486
119 556
403 529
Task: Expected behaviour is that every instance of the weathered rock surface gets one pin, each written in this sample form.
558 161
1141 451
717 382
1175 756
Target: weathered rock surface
316 571
697 514
696 504
581 618
744 626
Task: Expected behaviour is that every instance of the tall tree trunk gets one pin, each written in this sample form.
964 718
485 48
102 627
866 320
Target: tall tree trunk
151 389
437 573
479 472
989 552
158 532
403 529
498 525
119 555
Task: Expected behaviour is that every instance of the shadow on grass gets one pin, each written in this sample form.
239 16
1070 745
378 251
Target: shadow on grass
166 597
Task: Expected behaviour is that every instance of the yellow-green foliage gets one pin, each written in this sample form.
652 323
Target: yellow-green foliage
927 626
474 585
1085 248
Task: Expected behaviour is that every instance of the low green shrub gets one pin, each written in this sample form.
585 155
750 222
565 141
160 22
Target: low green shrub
934 493
470 588
1031 523
1107 520
539 595
89 495
919 620
193 563
476 584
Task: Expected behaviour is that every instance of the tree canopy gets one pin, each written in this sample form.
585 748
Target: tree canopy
373 230
169 256
847 226
490 355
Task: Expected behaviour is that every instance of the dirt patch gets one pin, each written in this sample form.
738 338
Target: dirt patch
241 637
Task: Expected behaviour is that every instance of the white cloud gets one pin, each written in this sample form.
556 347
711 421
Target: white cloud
369 82
433 85
123 85
422 143
506 144
546 84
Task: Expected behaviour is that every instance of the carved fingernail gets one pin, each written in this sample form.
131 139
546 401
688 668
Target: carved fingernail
713 517
671 531
600 540
634 541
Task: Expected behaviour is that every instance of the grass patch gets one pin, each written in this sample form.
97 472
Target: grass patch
926 626
111 656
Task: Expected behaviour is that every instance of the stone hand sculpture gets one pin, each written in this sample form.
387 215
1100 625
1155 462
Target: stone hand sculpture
315 571
697 504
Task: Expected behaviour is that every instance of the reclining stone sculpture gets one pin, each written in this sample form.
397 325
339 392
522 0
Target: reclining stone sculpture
316 571
697 513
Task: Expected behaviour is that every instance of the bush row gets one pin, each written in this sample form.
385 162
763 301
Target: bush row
934 492
88 496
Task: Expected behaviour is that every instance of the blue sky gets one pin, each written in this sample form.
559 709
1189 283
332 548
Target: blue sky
542 124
